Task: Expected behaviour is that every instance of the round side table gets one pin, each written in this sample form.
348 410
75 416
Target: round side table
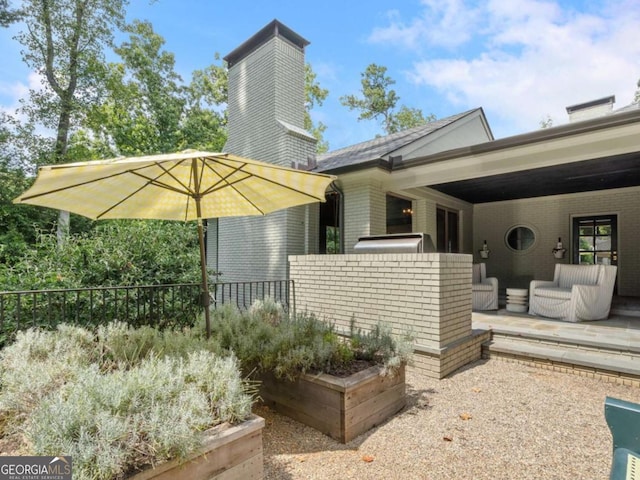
517 300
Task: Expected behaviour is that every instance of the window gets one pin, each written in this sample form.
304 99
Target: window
399 215
520 238
447 225
330 224
595 240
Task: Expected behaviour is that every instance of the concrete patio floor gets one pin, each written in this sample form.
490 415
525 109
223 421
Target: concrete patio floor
606 348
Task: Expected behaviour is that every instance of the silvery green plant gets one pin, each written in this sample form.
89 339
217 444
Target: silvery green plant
293 345
118 398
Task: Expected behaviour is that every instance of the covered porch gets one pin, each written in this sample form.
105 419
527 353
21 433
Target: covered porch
606 349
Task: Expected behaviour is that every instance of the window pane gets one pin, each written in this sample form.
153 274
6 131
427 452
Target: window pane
603 258
586 230
586 243
586 258
441 220
399 215
603 243
452 230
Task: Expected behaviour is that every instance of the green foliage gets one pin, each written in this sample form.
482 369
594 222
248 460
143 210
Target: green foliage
546 122
7 15
378 101
19 222
65 41
381 346
148 108
105 398
406 118
117 252
314 94
265 339
122 346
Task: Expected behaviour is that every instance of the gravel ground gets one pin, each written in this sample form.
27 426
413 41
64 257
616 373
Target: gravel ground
490 420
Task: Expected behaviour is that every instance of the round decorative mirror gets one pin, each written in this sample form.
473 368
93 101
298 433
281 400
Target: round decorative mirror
520 238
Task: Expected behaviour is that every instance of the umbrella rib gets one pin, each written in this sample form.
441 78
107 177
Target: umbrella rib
223 180
114 175
154 181
151 181
213 188
68 187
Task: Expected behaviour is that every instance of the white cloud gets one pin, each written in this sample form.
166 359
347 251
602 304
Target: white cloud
442 23
11 93
529 59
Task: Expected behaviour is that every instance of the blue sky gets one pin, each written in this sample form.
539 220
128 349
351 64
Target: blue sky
521 60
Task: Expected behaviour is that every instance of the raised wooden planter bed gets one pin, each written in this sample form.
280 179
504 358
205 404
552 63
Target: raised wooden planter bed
230 452
342 408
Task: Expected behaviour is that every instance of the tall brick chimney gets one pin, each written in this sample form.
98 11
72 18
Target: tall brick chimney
266 122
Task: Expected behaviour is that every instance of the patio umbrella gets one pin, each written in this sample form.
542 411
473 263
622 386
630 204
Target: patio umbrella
189 185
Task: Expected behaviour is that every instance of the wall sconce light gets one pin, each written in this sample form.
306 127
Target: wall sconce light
484 251
559 251
407 211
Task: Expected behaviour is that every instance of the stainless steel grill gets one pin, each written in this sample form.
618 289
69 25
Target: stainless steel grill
395 243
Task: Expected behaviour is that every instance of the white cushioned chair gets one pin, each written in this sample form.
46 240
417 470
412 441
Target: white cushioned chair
577 293
485 290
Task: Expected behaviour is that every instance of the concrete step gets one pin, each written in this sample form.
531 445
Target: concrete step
620 361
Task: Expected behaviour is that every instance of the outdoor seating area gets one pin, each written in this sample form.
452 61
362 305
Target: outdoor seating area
485 289
577 293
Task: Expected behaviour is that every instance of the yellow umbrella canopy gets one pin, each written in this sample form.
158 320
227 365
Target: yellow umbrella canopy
189 185
169 187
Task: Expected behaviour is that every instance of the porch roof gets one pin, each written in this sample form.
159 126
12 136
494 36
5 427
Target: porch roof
595 154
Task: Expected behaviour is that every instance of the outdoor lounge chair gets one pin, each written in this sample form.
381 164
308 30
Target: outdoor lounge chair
577 293
485 290
623 419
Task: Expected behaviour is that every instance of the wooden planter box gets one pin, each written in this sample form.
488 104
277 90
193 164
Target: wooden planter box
229 452
342 408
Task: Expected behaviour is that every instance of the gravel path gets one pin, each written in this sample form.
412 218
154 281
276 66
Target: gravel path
490 420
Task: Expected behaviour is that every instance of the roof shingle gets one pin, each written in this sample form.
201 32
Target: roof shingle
380 147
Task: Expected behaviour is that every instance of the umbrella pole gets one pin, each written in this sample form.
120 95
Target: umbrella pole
206 300
203 256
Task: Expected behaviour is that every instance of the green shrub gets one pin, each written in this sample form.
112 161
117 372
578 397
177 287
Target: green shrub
264 339
113 253
111 423
124 346
118 398
38 363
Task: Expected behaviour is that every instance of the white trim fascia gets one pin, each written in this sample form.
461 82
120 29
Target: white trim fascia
367 176
430 194
586 146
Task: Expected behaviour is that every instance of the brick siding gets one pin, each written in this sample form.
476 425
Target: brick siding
428 295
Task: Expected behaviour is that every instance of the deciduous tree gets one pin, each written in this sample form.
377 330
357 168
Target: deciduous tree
64 42
314 95
378 102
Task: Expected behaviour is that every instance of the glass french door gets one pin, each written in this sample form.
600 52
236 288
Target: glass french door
595 240
447 230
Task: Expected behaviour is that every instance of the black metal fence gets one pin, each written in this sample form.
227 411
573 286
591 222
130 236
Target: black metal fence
243 294
156 305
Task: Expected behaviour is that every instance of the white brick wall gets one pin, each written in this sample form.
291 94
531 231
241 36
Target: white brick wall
428 295
265 87
365 212
551 217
